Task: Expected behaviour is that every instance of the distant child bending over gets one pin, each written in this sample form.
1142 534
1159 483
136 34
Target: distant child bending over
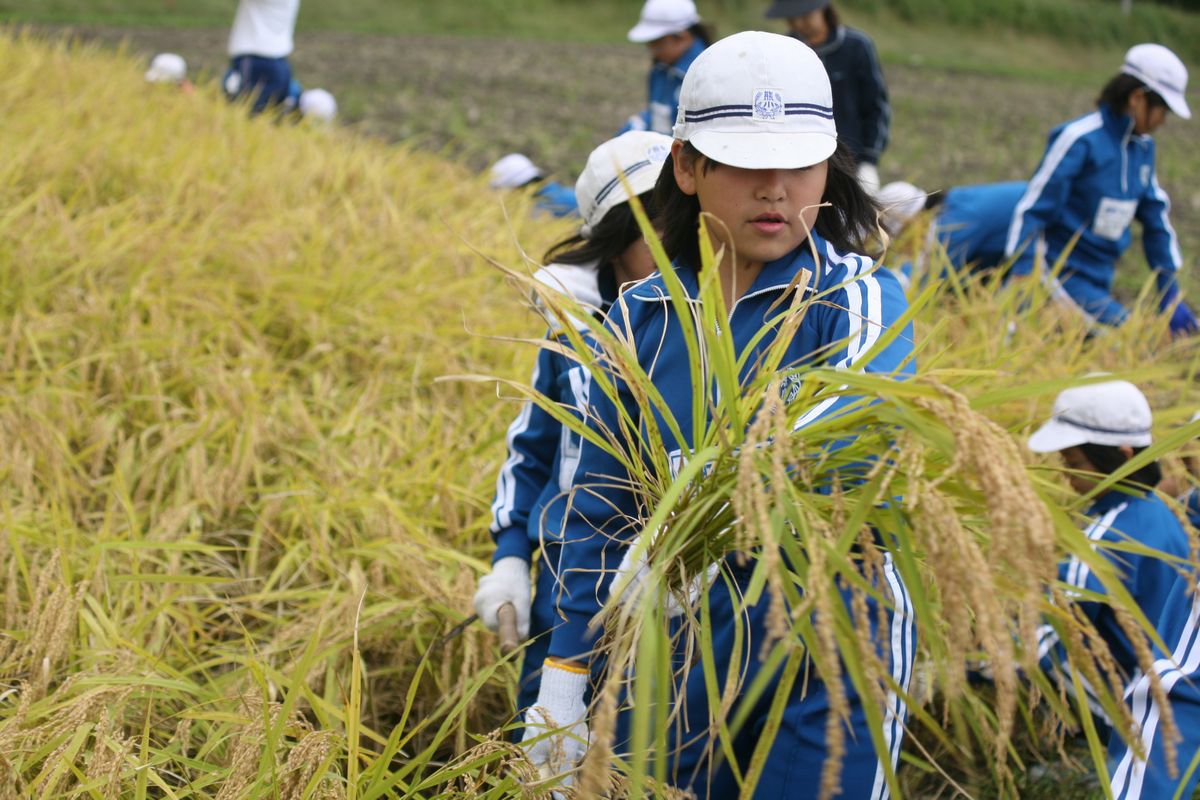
674 34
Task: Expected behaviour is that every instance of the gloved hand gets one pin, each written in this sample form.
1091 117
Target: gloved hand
632 580
508 582
868 176
560 709
1183 322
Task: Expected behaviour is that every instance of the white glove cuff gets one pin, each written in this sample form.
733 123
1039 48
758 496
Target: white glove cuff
561 688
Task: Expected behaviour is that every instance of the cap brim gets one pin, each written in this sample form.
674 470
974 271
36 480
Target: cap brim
649 31
765 149
1177 104
1055 436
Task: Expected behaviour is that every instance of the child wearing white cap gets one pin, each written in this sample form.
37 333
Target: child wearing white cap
860 97
674 34
1097 176
260 42
756 151
1096 428
516 171
590 266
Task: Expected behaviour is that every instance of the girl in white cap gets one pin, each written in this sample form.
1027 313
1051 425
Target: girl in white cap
675 35
590 266
756 151
1096 429
1098 175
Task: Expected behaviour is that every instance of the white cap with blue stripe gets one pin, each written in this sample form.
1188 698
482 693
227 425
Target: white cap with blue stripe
1161 71
1113 413
635 156
758 101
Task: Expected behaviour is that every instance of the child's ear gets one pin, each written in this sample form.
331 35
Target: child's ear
685 168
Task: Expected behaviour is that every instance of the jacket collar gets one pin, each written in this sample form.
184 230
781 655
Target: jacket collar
834 41
776 276
1113 498
1120 126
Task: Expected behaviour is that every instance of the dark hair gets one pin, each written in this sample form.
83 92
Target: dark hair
934 199
705 32
1117 91
1107 459
850 218
832 20
607 240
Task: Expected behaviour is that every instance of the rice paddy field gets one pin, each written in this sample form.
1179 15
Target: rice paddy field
255 384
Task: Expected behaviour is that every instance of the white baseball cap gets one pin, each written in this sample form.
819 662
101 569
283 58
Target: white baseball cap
1162 71
167 68
758 101
318 104
513 171
1111 413
899 201
662 18
636 155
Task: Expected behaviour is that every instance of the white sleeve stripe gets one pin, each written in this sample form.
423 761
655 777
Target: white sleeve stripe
1078 572
896 710
1128 778
506 484
1176 254
1071 134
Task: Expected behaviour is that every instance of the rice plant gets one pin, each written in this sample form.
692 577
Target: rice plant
243 517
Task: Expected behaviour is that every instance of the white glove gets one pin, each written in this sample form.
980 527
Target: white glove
868 176
508 582
560 709
632 581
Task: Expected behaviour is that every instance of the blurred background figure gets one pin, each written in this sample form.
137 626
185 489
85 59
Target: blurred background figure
970 222
1097 176
675 35
169 68
259 45
516 171
860 99
318 105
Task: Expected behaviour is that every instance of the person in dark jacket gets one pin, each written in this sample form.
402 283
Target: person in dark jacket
860 98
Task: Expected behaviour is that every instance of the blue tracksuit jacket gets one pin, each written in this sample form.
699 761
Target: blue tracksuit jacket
849 323
527 507
1096 177
861 109
1178 669
972 222
663 92
1118 518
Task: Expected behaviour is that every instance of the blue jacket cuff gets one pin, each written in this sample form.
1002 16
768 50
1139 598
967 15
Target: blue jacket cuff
513 542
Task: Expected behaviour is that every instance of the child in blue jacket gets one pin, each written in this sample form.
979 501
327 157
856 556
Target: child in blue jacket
674 34
1158 775
1096 428
1097 176
529 503
757 152
970 222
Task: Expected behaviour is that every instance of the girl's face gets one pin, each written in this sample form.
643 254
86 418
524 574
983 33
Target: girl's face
763 214
634 263
811 28
1147 116
1082 476
669 49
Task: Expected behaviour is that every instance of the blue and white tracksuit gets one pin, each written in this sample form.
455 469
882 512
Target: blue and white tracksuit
555 199
664 84
528 508
598 529
1096 177
1178 669
1120 518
